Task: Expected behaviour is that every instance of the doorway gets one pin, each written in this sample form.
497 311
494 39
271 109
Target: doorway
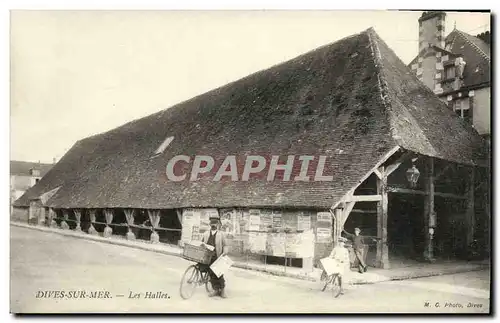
406 226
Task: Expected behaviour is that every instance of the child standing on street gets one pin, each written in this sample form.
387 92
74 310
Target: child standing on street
341 256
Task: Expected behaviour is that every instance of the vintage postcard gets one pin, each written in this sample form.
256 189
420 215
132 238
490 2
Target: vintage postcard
282 140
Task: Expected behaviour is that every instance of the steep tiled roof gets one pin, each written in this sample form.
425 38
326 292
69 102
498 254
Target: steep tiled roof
476 54
352 101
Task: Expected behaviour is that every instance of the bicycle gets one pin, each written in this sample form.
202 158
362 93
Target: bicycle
198 274
334 280
194 276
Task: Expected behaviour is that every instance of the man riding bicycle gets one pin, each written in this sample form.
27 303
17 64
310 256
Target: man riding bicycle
216 239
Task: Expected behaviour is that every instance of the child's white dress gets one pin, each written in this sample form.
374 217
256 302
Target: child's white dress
341 255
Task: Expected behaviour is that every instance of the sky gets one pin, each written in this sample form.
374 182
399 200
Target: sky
78 73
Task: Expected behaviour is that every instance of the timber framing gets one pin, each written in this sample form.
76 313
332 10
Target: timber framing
429 212
395 189
382 217
391 168
364 211
363 198
382 170
442 171
365 177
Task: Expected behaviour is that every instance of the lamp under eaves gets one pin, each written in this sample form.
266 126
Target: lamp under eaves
412 175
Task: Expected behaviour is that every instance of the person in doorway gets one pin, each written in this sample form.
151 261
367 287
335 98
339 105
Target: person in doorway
216 239
358 244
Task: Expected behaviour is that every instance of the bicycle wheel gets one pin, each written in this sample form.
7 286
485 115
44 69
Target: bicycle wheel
336 287
327 279
208 284
189 282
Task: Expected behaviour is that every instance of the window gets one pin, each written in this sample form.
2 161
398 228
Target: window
462 109
467 115
450 72
164 145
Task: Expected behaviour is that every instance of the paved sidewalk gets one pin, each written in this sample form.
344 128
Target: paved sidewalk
374 275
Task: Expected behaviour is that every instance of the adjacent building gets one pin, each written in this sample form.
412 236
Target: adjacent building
457 68
24 175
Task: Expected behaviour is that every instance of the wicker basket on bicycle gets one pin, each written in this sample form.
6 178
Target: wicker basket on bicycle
197 253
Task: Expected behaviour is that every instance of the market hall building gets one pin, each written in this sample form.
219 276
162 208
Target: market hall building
400 165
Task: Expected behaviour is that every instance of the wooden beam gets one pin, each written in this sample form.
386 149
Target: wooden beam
450 195
393 189
480 186
364 198
363 211
380 162
347 211
442 171
377 172
382 213
391 168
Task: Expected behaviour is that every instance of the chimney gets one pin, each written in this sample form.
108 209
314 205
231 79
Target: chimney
53 160
431 29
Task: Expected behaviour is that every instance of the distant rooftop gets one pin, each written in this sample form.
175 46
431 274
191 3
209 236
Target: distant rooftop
22 168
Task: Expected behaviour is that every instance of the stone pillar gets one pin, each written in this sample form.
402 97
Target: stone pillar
52 220
108 231
92 230
307 264
78 216
154 218
41 216
129 215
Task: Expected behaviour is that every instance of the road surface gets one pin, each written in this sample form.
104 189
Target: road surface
43 262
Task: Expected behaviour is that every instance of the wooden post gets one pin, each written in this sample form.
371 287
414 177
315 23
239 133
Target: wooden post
429 212
337 226
382 208
470 214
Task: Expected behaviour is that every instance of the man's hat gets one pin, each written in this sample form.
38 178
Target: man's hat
214 217
357 229
342 239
